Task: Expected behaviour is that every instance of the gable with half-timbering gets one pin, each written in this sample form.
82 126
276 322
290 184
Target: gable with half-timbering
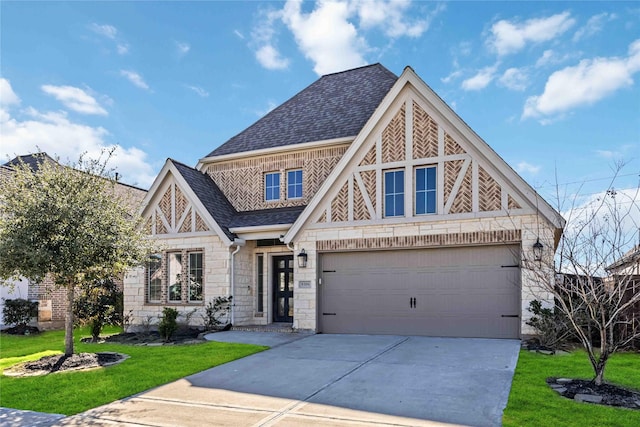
173 213
410 138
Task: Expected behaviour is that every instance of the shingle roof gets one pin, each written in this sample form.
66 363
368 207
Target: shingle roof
210 195
335 106
267 217
32 160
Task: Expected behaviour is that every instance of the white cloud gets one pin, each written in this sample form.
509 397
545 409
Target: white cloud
325 35
452 76
269 57
182 48
200 91
546 58
75 99
511 36
594 25
238 34
55 134
524 167
392 17
515 79
481 79
600 208
584 84
263 41
620 153
7 95
108 31
134 78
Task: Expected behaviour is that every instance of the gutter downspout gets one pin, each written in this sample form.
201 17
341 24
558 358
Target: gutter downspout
238 243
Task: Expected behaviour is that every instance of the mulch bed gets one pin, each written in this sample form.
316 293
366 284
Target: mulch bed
61 363
587 391
182 336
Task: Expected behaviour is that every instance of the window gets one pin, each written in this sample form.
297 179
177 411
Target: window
394 193
154 278
294 184
272 186
260 283
174 266
195 276
426 190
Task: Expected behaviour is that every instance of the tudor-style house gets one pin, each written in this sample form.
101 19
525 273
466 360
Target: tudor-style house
363 204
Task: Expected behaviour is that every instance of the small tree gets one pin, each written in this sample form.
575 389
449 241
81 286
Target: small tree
598 305
70 223
97 305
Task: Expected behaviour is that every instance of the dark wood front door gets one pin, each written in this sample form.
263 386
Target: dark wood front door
283 288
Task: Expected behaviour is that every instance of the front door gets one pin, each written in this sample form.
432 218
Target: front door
283 288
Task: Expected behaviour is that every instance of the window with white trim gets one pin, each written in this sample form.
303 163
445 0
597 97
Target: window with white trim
425 198
394 193
294 184
272 186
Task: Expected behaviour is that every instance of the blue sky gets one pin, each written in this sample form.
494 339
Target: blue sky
553 87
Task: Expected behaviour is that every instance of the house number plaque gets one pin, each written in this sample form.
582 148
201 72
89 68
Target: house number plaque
304 284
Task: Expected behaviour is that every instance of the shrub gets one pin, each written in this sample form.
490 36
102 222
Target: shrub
217 312
168 324
98 304
19 311
551 325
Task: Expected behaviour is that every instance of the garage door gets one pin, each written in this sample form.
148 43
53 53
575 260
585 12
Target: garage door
453 292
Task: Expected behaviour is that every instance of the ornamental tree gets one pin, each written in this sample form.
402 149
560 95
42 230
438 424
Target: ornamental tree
597 283
71 223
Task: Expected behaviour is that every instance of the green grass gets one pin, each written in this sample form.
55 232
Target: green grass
73 392
533 403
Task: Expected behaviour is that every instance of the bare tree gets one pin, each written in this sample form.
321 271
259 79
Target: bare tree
596 287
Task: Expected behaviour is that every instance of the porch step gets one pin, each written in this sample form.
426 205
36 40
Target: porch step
272 327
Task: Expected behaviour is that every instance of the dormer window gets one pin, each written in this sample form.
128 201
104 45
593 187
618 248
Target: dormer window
294 184
272 186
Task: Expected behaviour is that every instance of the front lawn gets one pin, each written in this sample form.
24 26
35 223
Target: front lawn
73 392
533 403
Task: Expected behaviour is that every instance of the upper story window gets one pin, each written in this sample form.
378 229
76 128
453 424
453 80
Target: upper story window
272 186
426 190
294 184
394 193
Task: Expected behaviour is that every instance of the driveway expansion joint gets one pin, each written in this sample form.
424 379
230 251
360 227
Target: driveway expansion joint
269 421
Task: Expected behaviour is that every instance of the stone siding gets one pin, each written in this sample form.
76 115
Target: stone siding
216 280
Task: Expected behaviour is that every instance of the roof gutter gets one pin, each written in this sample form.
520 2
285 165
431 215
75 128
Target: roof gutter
273 150
238 243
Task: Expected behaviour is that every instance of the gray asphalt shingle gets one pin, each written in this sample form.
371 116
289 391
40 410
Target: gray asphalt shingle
335 106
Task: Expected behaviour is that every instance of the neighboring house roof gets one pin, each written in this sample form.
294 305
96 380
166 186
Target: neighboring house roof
631 257
335 106
33 160
267 217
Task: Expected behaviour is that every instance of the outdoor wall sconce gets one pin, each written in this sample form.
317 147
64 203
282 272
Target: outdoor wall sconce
302 259
537 250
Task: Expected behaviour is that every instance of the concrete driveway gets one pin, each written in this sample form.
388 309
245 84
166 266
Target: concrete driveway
334 380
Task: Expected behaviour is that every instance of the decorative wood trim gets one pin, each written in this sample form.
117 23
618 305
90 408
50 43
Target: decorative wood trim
365 195
456 185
